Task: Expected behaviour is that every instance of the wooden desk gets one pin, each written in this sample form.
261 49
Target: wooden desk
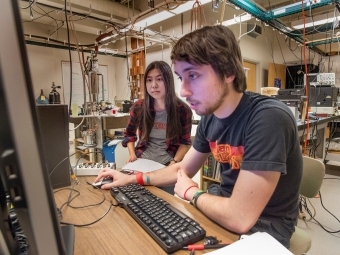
118 233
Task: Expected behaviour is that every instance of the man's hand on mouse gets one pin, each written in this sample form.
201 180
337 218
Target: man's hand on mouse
119 178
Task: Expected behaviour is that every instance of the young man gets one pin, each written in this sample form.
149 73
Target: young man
254 138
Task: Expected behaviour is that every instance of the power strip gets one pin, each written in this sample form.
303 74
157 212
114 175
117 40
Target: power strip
92 168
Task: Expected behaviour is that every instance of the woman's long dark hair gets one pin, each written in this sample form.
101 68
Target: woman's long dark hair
145 119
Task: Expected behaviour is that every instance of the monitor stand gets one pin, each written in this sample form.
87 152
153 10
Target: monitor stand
67 232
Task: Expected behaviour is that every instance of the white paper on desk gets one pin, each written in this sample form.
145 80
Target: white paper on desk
143 165
259 243
114 142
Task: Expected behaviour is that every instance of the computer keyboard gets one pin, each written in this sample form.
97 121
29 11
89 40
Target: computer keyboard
170 228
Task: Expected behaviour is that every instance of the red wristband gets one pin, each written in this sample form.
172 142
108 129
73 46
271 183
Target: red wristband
187 191
139 178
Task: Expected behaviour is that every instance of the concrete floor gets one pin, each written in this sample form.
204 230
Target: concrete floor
324 243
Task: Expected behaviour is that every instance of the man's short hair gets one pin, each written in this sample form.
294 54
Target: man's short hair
215 46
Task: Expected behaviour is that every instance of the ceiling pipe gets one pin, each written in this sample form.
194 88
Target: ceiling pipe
151 39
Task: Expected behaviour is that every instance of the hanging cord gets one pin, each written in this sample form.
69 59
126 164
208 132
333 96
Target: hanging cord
306 75
70 57
222 11
29 5
127 59
82 64
196 15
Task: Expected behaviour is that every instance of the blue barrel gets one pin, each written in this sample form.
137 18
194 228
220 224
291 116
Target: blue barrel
109 152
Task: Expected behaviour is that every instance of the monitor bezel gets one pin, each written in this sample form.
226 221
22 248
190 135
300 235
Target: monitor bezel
23 173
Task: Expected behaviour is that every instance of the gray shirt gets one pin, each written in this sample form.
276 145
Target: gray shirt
156 150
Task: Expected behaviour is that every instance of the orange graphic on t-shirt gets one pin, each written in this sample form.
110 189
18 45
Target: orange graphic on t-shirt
159 125
224 153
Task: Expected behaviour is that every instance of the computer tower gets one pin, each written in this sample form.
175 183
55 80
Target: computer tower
54 128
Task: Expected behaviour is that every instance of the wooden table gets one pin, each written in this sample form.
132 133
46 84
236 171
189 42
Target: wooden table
118 233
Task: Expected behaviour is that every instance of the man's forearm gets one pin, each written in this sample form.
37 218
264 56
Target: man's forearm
220 210
165 176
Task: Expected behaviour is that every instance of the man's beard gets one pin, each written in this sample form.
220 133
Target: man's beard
217 103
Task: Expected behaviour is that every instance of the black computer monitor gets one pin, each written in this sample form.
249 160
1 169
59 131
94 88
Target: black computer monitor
23 174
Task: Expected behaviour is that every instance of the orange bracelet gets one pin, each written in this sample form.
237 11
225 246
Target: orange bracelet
187 191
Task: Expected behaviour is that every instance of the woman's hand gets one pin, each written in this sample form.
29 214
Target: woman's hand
185 187
131 158
171 163
119 178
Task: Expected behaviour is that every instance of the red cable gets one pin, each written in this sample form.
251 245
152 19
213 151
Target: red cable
306 73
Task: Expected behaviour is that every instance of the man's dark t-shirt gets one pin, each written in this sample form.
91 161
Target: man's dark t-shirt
261 134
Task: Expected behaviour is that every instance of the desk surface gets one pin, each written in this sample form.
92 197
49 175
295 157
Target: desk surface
320 121
118 233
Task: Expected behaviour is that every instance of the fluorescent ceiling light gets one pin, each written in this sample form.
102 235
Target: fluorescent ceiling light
237 19
159 16
318 20
163 15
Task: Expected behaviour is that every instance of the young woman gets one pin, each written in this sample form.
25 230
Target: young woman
161 122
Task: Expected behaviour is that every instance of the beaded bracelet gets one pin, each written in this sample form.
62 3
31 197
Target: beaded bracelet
196 196
147 177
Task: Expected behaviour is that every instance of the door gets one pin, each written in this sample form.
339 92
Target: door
250 69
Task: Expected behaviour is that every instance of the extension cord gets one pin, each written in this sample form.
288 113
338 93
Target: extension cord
92 168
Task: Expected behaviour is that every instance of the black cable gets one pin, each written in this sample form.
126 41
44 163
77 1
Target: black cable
270 52
303 131
55 20
82 18
60 163
70 57
127 59
24 21
91 223
331 232
70 199
101 152
284 61
329 139
78 193
303 202
314 137
46 14
29 6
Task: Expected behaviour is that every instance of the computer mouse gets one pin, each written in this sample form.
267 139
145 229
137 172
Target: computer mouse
103 181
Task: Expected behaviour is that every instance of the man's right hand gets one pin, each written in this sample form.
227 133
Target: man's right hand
119 179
